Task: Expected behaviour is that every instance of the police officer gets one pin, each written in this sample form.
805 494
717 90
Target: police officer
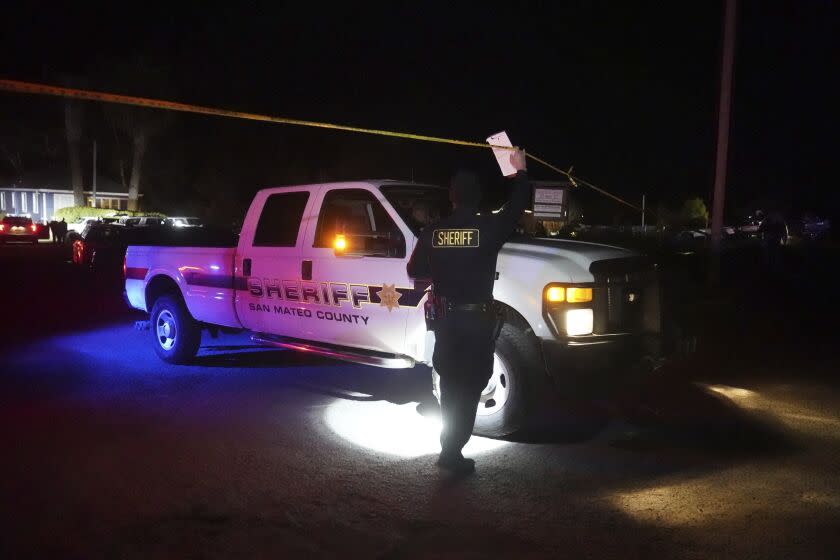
459 254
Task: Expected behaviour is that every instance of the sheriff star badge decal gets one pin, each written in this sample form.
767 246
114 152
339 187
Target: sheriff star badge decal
389 297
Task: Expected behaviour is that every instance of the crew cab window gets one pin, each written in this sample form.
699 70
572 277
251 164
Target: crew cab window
360 218
280 220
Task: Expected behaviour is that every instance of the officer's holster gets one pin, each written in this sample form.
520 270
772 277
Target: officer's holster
434 309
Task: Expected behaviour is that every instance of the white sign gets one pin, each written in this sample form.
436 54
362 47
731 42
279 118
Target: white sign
549 202
502 156
549 196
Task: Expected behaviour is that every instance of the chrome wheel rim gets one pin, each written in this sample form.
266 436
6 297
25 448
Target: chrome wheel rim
166 329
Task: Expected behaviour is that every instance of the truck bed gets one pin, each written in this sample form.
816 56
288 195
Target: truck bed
204 275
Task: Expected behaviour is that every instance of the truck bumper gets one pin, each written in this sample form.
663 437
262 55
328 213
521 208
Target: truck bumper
600 367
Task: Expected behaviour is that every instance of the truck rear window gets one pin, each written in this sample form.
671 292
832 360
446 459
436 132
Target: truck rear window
280 220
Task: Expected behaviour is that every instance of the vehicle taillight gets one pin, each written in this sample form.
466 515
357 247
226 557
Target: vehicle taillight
78 251
34 227
2 227
124 269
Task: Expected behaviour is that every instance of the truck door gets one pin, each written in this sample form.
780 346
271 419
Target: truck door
268 263
361 297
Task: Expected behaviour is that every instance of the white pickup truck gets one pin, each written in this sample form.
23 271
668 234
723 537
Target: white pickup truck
322 268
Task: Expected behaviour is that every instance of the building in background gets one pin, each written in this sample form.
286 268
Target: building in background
41 194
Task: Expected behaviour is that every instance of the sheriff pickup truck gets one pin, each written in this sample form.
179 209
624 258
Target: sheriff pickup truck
322 269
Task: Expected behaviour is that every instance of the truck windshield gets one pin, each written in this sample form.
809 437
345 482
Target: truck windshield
418 205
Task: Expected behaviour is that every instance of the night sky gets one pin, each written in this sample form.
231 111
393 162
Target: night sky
625 92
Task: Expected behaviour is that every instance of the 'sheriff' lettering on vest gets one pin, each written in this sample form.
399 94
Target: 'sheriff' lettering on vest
455 238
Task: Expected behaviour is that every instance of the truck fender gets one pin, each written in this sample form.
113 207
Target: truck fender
158 285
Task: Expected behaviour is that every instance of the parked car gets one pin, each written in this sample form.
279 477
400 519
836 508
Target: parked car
75 229
142 221
751 224
180 221
20 229
102 246
810 228
99 244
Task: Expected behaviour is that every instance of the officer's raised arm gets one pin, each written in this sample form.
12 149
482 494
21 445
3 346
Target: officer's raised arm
511 212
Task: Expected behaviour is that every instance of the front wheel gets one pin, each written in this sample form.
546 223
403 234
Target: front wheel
514 388
176 336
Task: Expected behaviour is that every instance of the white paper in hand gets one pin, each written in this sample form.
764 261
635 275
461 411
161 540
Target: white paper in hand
502 156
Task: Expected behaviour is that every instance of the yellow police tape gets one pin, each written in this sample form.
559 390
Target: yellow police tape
44 89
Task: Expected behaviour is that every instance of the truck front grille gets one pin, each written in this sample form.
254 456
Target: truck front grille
625 301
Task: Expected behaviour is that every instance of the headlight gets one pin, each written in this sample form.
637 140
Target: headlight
578 295
569 307
569 294
579 321
555 294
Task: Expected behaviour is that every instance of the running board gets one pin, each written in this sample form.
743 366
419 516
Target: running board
357 356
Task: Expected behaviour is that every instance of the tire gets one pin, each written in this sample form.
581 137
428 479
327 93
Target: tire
515 388
176 336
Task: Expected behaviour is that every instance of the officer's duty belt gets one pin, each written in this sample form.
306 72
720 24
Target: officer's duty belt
482 307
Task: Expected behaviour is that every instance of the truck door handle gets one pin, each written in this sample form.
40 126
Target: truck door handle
306 270
246 267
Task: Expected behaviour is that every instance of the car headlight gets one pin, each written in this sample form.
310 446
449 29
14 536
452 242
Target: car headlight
569 307
555 294
579 321
568 294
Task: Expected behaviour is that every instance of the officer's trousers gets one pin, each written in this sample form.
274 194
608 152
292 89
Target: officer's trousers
463 357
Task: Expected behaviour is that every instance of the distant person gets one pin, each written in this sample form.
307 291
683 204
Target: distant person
53 225
62 230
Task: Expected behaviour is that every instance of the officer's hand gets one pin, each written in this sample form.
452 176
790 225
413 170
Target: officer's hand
518 160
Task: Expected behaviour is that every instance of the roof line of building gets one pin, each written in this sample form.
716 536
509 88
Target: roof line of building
40 190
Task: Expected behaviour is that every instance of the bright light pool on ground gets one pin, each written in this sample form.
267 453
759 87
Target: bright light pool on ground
395 429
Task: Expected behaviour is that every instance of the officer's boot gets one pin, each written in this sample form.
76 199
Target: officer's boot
456 463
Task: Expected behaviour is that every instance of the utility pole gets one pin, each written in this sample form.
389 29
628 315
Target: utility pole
727 63
94 173
643 214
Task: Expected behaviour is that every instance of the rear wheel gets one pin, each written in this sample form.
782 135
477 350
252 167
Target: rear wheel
515 387
176 336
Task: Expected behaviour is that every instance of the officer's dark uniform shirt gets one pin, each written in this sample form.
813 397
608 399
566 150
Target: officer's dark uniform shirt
459 252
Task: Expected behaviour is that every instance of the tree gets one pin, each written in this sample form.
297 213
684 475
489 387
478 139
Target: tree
694 213
136 126
26 146
73 126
